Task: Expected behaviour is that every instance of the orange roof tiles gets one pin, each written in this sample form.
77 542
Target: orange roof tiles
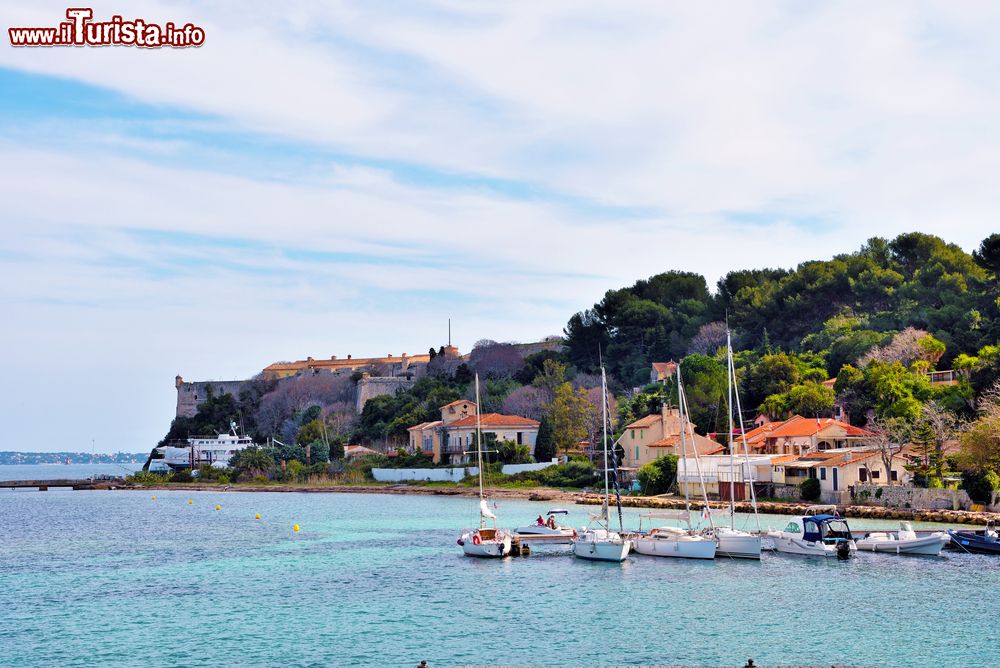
459 401
800 426
496 420
647 421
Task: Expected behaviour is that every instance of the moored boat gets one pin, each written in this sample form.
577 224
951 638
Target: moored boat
818 535
601 543
488 542
548 527
904 541
669 541
980 542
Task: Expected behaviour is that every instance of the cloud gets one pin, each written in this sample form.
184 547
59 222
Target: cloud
342 178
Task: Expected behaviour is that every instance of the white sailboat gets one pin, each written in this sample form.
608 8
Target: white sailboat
735 542
601 543
486 541
668 541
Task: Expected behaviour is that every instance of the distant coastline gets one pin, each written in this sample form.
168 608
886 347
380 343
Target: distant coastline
15 457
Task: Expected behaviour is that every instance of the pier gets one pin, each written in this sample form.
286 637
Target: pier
44 485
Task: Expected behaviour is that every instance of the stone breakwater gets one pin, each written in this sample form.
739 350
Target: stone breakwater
588 498
774 508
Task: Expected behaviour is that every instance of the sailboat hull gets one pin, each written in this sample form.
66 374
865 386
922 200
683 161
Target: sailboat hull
486 549
681 547
737 545
601 545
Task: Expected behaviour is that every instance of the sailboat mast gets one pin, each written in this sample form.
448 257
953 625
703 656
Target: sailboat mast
680 415
730 379
604 439
479 453
746 451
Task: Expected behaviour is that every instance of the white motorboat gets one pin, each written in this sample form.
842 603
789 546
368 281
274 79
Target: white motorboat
669 541
904 541
547 527
488 542
818 535
601 543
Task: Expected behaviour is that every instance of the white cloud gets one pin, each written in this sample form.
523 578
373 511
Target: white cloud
864 119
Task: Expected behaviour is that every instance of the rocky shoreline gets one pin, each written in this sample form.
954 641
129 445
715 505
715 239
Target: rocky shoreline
588 498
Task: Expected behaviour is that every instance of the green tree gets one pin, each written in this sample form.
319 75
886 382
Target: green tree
809 489
509 452
658 476
545 446
925 463
570 411
251 462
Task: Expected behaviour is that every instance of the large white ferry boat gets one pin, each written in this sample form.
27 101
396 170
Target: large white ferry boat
212 450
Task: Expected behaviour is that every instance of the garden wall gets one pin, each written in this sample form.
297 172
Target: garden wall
453 474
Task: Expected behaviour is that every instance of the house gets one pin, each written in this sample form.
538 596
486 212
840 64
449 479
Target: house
451 437
660 434
661 372
722 475
836 470
799 435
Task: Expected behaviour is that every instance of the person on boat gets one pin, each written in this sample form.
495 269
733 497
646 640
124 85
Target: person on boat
540 521
552 522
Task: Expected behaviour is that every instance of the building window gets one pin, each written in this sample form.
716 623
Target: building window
632 435
863 475
520 438
822 474
875 475
895 475
637 453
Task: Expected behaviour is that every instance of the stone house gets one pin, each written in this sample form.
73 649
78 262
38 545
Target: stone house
452 436
836 470
660 434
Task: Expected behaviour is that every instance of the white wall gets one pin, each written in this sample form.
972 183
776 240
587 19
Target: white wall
453 474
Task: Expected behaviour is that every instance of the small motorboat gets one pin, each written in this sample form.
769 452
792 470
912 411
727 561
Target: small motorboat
549 528
980 542
904 541
819 535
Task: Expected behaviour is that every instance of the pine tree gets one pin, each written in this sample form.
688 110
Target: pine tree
925 445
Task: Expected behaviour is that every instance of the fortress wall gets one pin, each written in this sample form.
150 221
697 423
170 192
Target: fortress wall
370 387
189 395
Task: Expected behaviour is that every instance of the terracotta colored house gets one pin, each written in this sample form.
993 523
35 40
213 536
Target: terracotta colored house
799 435
656 435
661 372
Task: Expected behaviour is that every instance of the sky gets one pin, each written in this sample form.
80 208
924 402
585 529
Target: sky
342 177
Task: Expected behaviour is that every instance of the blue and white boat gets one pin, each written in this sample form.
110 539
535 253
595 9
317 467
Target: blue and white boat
819 534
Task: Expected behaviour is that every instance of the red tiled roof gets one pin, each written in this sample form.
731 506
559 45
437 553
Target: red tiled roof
663 367
703 445
425 425
496 420
647 421
457 402
800 426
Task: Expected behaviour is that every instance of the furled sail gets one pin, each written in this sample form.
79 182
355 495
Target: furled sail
485 511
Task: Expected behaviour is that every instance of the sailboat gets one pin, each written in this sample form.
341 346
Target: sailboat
735 542
601 543
486 541
669 541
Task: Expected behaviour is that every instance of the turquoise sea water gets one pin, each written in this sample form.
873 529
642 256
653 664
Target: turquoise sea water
118 579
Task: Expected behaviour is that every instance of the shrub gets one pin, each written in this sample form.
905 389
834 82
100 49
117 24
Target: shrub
658 476
146 478
184 475
570 474
209 473
980 485
809 489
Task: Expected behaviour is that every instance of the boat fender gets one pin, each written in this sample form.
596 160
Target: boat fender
574 533
476 540
460 542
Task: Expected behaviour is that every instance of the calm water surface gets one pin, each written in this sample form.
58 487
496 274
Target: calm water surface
63 471
119 579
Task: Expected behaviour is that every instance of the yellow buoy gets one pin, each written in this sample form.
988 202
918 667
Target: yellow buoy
218 507
257 516
190 502
295 528
154 498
